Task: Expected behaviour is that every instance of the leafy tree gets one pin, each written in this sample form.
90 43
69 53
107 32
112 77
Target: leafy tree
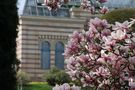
8 34
119 15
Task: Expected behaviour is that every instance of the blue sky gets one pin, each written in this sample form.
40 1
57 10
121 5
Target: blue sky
20 6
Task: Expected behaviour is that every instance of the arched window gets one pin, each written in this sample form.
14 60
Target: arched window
59 58
45 55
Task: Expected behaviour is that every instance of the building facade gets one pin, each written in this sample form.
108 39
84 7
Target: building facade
43 34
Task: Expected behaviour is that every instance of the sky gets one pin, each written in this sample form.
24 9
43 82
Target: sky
20 6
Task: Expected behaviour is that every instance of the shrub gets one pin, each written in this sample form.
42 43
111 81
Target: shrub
23 78
119 15
56 76
54 70
62 77
50 78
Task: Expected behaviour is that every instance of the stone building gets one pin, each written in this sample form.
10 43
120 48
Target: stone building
43 34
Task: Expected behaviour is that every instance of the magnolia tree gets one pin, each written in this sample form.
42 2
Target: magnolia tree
94 7
103 56
91 5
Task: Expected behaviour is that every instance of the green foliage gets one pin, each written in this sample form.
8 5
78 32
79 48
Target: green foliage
56 76
54 70
37 86
50 78
62 77
23 77
119 15
8 34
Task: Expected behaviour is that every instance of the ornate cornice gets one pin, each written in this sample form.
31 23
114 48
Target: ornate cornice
54 37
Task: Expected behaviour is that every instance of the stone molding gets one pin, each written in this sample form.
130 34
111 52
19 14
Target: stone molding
57 37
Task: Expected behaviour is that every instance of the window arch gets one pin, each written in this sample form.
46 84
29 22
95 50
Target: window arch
59 58
45 55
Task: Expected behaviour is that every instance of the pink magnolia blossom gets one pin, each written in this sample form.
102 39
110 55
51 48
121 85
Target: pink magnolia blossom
119 35
92 29
84 59
109 42
93 48
76 37
101 55
91 9
101 71
106 58
88 79
118 62
52 4
85 4
75 87
132 46
66 86
99 24
124 49
121 26
102 1
72 74
71 62
132 59
106 32
89 35
102 60
104 10
71 48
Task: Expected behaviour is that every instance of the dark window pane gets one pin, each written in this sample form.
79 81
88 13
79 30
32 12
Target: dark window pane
33 10
63 12
27 11
31 3
46 11
40 11
54 12
59 58
40 1
74 2
45 55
